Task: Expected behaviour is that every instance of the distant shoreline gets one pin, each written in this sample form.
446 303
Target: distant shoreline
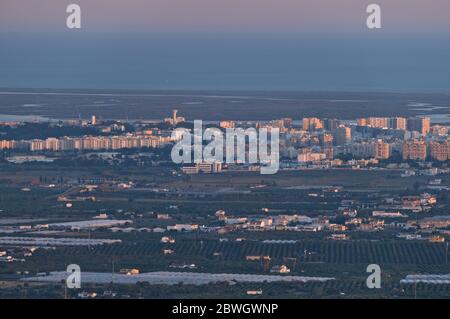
212 92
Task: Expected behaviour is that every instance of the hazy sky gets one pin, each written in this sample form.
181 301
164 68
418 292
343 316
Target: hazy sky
226 15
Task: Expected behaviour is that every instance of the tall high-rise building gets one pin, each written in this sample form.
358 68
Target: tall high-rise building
440 151
312 124
360 150
174 116
414 150
287 122
342 135
331 124
398 123
175 119
326 140
419 124
379 122
282 123
362 122
381 150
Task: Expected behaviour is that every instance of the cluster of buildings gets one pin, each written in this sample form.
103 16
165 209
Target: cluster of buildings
89 143
314 140
413 124
380 138
388 214
420 150
112 136
318 140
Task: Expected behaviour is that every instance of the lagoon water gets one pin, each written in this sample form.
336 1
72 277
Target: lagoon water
22 118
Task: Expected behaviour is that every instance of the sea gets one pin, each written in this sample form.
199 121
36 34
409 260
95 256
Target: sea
356 62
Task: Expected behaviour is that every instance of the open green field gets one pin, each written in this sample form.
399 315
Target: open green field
350 179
